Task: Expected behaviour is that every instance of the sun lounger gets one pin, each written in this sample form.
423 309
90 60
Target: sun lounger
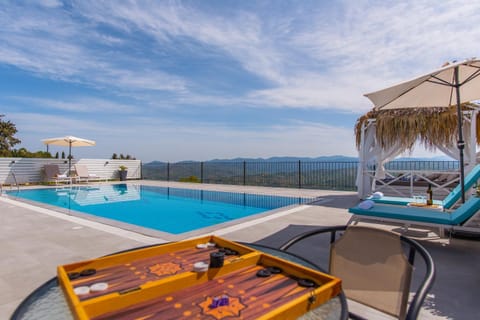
52 173
83 174
412 215
470 180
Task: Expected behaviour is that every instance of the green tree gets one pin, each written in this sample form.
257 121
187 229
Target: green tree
7 139
41 154
20 153
63 154
114 156
193 179
56 155
24 153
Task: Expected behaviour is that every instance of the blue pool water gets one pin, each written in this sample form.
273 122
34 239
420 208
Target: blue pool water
169 210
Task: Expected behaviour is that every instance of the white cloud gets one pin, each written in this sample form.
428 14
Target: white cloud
86 104
317 91
53 125
239 35
200 141
52 44
301 55
157 139
364 46
310 55
51 3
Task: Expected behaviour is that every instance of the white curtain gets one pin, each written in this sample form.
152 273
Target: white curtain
450 150
371 153
472 142
365 157
385 155
470 137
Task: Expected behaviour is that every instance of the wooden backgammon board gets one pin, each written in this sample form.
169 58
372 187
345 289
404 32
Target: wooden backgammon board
203 278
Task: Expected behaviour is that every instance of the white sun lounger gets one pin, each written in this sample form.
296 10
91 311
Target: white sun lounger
471 180
83 174
52 173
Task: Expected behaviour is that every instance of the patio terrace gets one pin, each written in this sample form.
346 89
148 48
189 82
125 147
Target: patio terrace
35 240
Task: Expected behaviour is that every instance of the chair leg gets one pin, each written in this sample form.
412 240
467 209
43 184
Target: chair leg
405 228
441 232
352 221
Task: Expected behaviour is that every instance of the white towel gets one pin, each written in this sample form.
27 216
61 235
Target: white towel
367 204
377 195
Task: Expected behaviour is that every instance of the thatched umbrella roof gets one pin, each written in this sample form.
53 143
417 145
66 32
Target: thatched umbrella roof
429 126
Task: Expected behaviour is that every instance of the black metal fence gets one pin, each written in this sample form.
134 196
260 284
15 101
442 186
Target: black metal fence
290 174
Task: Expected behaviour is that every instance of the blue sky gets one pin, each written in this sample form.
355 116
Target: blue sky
197 80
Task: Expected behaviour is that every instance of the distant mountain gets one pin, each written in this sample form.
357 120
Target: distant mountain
337 158
321 159
154 163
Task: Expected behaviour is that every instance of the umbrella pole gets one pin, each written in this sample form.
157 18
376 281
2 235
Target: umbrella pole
69 157
460 143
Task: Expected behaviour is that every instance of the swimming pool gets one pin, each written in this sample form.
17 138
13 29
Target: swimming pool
170 210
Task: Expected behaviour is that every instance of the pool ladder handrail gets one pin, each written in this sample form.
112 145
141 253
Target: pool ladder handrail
11 185
16 182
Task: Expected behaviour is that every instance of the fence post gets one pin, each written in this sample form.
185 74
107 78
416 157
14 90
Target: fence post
168 171
201 172
244 172
299 174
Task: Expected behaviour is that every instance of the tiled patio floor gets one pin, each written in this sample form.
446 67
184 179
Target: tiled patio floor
34 241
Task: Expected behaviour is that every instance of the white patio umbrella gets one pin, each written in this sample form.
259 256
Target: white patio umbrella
453 84
69 141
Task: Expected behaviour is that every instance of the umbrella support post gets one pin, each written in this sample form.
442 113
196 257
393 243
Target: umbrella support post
460 143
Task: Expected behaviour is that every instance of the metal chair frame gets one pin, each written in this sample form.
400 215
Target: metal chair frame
413 247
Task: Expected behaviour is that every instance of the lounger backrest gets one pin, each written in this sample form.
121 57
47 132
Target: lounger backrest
470 179
81 170
466 211
51 171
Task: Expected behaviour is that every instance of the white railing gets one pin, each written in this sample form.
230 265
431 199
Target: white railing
14 171
442 181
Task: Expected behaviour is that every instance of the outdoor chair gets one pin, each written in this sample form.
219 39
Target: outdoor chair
52 173
376 268
83 174
471 179
419 216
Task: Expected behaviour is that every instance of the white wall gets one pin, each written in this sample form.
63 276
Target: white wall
30 169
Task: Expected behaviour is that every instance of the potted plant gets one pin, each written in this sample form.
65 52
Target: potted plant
122 172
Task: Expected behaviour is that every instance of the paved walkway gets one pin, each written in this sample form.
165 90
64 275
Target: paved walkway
34 241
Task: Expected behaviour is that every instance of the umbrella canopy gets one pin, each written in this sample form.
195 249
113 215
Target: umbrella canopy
450 85
69 141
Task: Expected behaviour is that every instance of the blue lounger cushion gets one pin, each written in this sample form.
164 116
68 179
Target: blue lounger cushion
456 217
399 200
470 179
